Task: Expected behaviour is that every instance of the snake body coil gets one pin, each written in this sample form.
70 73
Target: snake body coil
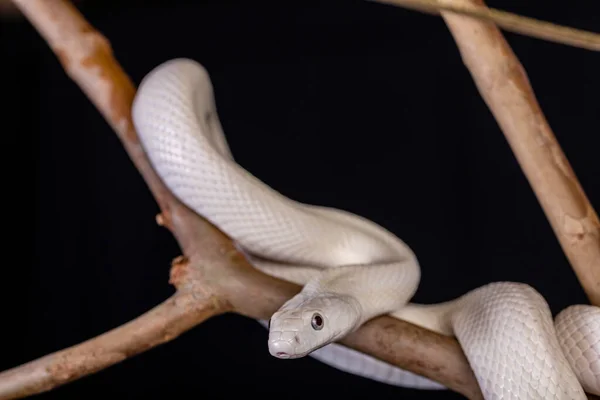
351 269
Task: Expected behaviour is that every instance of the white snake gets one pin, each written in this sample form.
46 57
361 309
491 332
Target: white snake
352 269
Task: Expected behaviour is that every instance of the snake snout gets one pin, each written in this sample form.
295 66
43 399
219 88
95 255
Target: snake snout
281 349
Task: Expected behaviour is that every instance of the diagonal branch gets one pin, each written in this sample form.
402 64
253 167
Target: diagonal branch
504 86
163 323
213 277
505 20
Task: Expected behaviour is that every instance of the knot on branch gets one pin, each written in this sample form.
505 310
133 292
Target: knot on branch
164 219
180 271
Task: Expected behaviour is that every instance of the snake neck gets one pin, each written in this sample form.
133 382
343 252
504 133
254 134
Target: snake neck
434 317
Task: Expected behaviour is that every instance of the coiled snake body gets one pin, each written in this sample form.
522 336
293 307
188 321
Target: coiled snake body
350 268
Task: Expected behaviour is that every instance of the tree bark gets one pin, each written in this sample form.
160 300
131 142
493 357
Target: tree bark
213 277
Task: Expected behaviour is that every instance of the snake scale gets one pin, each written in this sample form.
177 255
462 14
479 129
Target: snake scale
350 268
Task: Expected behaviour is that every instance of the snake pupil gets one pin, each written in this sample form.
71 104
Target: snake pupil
317 322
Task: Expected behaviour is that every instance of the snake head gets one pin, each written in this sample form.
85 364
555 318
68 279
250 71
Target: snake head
301 327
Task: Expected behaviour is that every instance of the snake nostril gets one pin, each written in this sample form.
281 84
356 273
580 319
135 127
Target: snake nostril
282 354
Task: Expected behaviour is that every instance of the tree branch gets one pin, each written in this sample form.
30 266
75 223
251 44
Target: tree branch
504 85
214 277
508 21
168 320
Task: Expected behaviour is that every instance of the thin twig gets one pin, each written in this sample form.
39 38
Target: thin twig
508 21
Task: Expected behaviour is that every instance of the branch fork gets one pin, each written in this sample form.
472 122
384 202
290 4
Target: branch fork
212 277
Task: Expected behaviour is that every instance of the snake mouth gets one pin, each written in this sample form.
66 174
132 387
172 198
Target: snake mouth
282 349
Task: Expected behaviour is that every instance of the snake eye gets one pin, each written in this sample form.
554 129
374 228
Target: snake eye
317 322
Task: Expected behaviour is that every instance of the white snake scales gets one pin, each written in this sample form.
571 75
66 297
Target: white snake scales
352 269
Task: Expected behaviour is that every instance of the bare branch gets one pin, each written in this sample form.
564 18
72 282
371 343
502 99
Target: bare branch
504 85
168 320
221 280
508 21
214 277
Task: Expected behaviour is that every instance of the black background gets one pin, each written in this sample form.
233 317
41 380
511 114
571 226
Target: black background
349 104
